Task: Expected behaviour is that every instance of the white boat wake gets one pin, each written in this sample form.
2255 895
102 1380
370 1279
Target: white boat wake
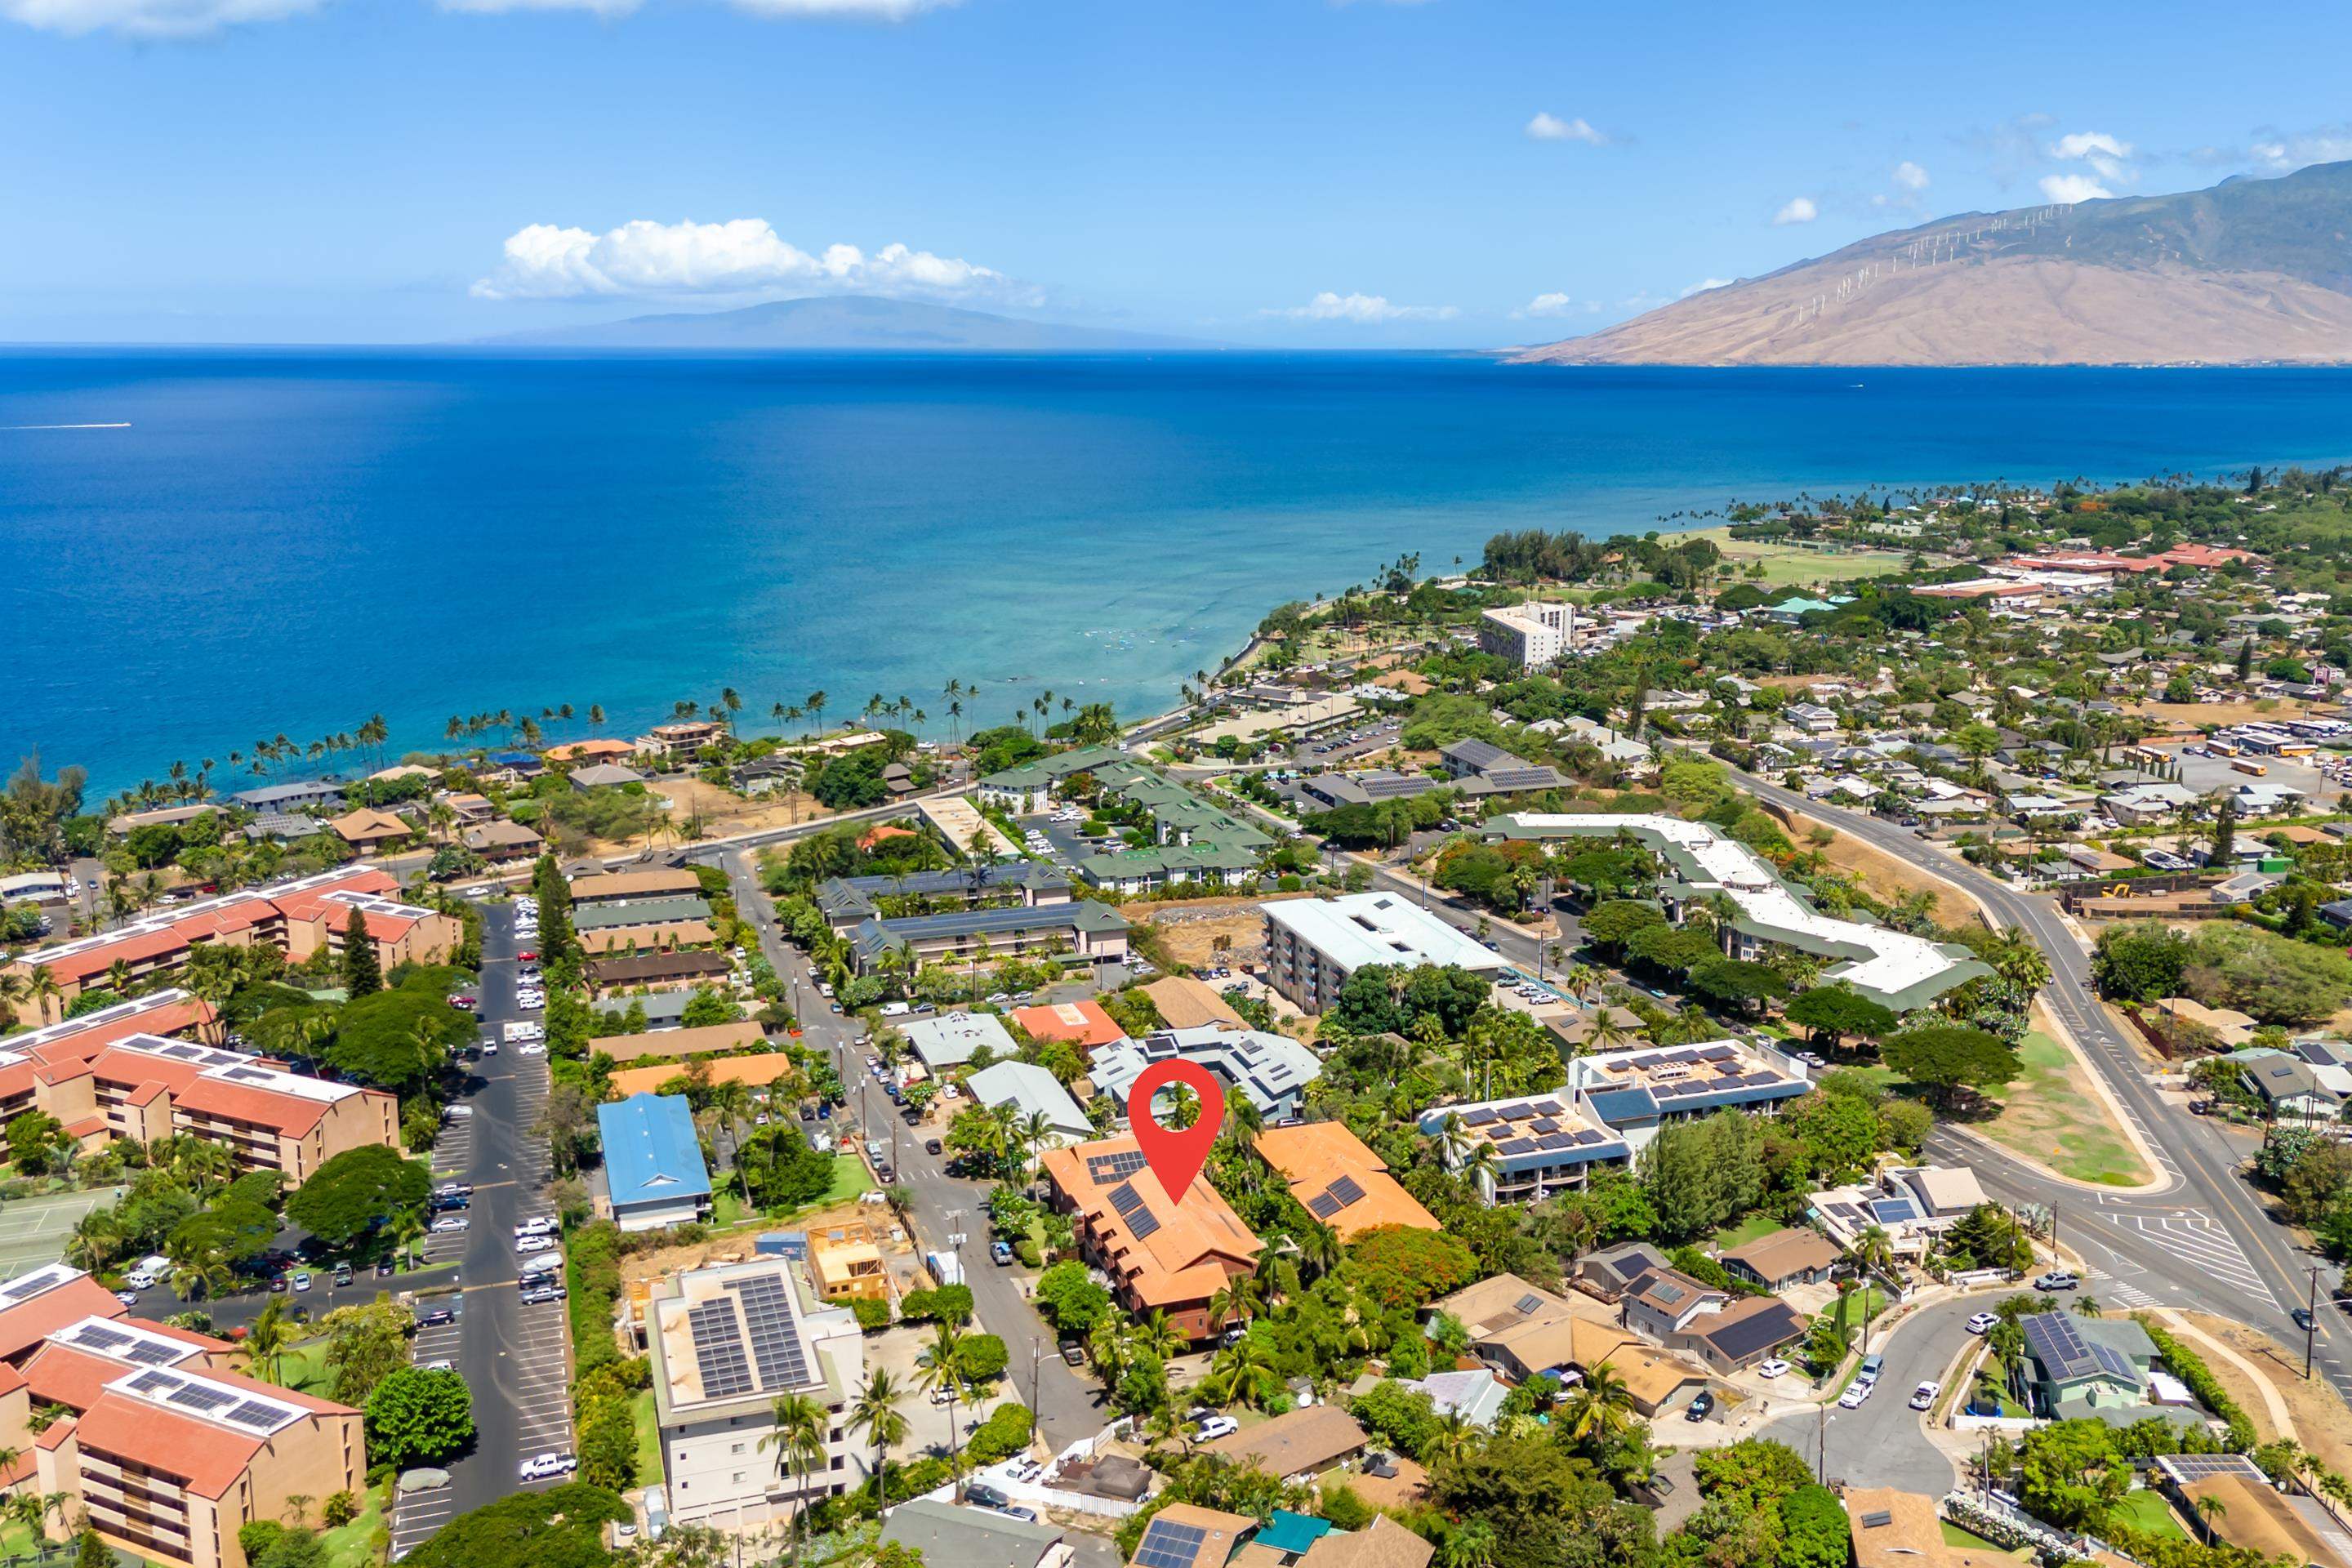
122 424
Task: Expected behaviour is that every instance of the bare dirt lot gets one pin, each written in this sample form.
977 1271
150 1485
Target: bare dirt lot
1191 927
2322 1423
723 812
2196 715
1883 874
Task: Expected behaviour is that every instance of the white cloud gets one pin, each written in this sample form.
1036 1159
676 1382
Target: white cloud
1703 284
2104 153
877 10
1549 305
2073 188
1910 175
1362 310
148 18
1801 210
543 261
2278 151
1545 127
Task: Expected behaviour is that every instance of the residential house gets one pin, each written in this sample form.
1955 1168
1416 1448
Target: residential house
2087 1366
947 1535
1083 1023
951 1040
1185 1535
371 832
1298 1445
1032 1091
502 843
1913 1205
1784 1257
605 776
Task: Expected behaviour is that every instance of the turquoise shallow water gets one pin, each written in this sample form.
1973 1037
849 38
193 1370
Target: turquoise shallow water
259 542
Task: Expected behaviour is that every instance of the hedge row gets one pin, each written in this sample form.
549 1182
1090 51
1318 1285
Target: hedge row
2191 1369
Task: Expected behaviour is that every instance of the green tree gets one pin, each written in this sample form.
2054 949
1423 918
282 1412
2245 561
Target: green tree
365 1346
418 1416
562 1527
357 1190
1943 1058
1834 1013
362 970
2139 962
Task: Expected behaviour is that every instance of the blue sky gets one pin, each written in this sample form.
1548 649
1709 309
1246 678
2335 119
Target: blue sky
1280 171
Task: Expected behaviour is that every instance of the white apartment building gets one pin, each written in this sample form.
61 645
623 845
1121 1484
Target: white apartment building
1312 946
727 1343
1530 636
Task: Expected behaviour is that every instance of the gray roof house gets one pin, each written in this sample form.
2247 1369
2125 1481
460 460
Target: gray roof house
949 1536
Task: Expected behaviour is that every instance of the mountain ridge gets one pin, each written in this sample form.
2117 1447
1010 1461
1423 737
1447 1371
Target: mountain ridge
2248 271
840 322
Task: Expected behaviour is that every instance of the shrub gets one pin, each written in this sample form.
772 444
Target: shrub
950 1302
871 1315
1005 1433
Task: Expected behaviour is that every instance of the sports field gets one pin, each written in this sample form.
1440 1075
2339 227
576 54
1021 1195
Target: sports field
33 1231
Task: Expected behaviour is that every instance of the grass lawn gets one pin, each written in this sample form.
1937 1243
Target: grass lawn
726 1208
353 1545
2148 1512
1954 1535
649 1461
2052 1114
1739 1235
1856 1307
1785 563
303 1368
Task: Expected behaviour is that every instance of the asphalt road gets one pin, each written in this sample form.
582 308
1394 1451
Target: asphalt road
1068 1406
1883 1442
516 1359
2201 1241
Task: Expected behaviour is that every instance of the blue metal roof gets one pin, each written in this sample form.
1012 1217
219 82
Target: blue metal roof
1619 1106
651 1151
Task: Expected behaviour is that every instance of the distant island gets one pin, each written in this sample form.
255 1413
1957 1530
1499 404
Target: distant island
841 322
2248 272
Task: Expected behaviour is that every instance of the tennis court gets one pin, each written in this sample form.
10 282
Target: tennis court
33 1231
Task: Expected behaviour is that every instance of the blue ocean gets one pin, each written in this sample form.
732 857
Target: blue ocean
203 548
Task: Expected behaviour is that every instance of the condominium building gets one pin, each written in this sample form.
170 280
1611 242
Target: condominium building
1529 636
727 1343
146 1088
1082 931
1523 1151
1339 1180
31 1063
161 1447
1272 1071
1638 1091
1312 946
1161 1256
298 917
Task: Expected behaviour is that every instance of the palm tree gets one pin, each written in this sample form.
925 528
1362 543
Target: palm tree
41 989
1873 1251
1243 1373
876 1413
2211 1509
1235 1301
1453 1439
799 1442
939 1368
1601 1407
1318 1248
265 1341
1158 1336
407 1229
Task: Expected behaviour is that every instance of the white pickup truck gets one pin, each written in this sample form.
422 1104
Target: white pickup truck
518 1032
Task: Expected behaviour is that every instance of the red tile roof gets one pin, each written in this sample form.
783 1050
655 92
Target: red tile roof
208 1458
69 1375
16 1078
54 1435
291 1114
82 1044
1083 1022
22 1328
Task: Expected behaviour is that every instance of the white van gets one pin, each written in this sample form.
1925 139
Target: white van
896 1009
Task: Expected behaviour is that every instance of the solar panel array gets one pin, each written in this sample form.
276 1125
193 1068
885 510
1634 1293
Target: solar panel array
146 1350
1323 1205
1141 1221
259 1415
769 1321
197 1396
1346 1190
213 1401
98 1336
1167 1544
1103 1169
2202 1467
718 1350
27 1286
2052 1338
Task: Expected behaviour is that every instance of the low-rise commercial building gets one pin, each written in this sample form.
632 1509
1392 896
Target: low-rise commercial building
1893 968
654 1176
950 1040
1312 946
949 1536
1636 1092
847 902
665 970
1161 1255
604 887
1032 1091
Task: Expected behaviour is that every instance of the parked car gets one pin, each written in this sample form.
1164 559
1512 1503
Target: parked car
932 1146
1025 1470
301 1281
342 1273
1925 1395
543 1467
434 1317
1775 1367
2056 1280
1216 1427
1701 1406
538 1294
538 1225
531 1244
1074 1354
986 1495
447 1224
1855 1393
1982 1323
999 1253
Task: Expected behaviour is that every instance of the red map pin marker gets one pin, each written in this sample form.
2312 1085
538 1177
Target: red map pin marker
1176 1154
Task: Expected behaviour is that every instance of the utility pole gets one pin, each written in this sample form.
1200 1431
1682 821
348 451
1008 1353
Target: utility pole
1036 1359
1822 1444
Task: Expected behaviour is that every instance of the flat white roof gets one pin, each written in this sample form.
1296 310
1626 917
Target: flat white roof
230 1067
1358 928
1895 961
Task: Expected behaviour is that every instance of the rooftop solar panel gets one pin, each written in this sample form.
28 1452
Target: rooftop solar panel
1346 1192
1548 1107
147 1352
151 1382
101 1337
1545 1124
259 1414
718 1350
1518 1146
1108 1168
1167 1544
1144 1223
1586 1135
196 1396
1126 1200
1323 1205
1478 1119
774 1330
